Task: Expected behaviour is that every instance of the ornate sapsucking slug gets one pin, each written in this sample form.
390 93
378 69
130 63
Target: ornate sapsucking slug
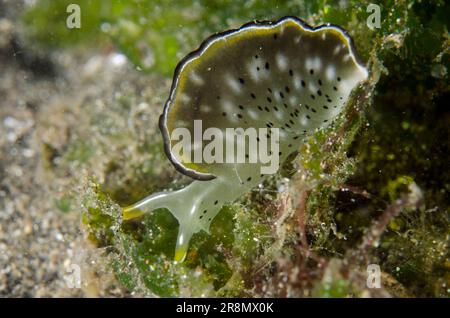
275 82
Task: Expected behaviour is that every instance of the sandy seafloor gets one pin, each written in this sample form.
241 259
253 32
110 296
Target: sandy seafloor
38 242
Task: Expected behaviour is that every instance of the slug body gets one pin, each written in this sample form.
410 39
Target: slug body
276 82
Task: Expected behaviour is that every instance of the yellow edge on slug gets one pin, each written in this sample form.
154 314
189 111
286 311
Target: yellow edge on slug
129 213
180 254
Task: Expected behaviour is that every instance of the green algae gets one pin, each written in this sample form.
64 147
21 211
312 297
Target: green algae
64 204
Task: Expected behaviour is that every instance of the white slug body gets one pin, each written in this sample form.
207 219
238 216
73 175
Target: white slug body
283 75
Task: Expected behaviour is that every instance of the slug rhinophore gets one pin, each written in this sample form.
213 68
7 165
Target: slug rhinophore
240 105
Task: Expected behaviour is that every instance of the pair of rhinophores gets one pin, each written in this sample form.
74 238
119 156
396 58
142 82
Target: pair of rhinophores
282 74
